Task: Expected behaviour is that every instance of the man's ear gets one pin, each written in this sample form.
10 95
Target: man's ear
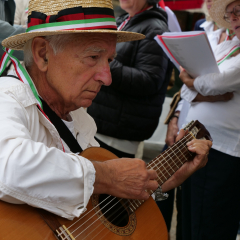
40 51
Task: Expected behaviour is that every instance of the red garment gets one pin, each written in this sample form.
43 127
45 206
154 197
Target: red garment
161 4
183 4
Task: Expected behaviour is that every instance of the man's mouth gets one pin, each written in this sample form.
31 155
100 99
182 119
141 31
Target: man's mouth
236 27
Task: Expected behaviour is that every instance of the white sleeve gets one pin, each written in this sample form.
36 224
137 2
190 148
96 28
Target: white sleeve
218 83
179 106
41 176
188 94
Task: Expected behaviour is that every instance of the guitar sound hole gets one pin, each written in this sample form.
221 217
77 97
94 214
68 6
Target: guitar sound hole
114 210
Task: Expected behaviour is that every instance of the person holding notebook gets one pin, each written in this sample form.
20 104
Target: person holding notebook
214 209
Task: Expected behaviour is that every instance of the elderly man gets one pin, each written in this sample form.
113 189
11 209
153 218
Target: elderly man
42 102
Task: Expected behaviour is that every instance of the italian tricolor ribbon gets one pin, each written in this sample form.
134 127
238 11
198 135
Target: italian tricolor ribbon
20 70
86 24
22 75
229 35
76 18
229 54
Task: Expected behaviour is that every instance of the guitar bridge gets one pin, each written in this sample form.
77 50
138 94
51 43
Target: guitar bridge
64 234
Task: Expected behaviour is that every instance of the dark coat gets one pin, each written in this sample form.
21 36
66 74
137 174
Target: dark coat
131 106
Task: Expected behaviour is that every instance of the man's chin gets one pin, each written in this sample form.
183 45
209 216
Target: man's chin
86 104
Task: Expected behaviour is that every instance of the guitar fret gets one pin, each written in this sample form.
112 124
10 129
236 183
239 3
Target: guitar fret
177 158
139 202
133 205
166 171
64 234
168 162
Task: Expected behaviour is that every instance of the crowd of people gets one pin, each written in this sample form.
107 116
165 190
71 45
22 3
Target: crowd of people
73 78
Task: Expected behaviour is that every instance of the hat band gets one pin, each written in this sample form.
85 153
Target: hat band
77 18
99 23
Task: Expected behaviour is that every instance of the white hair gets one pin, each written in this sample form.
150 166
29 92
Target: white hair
57 43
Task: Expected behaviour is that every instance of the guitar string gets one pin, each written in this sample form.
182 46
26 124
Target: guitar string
96 221
103 227
165 163
100 224
157 158
97 216
166 152
164 160
181 143
162 173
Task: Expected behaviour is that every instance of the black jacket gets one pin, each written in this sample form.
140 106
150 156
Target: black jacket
130 108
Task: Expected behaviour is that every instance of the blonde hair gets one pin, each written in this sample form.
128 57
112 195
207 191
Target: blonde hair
206 12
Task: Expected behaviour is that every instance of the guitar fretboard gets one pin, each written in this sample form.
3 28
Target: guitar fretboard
166 164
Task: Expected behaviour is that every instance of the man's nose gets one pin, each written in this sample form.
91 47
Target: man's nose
104 75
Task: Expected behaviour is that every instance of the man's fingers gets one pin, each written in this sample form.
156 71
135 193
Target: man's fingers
152 174
199 146
181 134
152 185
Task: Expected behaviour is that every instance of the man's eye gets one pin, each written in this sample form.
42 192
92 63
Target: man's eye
94 57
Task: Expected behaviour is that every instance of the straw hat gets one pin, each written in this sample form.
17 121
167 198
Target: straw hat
54 17
217 12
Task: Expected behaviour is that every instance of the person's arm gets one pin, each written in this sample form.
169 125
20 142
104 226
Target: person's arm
172 130
188 94
129 178
35 173
201 148
218 98
124 178
20 17
8 30
214 83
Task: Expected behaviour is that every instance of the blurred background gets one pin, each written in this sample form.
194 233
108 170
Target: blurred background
188 12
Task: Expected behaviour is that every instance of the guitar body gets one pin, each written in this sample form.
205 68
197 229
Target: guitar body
22 222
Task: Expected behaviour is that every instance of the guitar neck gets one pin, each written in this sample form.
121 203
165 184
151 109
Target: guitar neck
169 161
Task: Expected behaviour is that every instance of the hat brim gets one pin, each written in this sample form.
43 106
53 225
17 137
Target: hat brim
217 12
17 42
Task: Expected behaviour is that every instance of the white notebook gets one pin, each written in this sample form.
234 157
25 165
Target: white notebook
190 50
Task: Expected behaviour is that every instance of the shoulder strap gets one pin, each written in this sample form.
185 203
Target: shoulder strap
62 129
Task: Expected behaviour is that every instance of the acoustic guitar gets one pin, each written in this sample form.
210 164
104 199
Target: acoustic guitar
107 217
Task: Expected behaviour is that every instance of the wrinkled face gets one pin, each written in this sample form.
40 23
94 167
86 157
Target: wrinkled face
132 5
234 20
209 4
77 73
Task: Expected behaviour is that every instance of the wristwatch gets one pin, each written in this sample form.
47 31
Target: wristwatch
159 195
